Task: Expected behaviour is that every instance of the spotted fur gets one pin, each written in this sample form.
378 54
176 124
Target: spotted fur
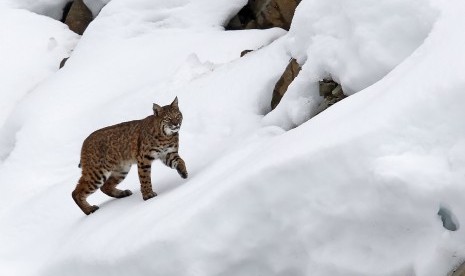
108 154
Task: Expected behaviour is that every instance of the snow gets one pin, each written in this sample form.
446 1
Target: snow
51 8
355 43
355 190
358 46
23 67
96 6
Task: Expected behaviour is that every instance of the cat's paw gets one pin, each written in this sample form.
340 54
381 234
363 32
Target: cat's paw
183 173
124 193
149 195
91 209
181 168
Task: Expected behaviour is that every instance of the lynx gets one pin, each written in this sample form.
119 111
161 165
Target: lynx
108 154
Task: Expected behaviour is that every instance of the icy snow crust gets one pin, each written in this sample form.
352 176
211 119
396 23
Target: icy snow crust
354 191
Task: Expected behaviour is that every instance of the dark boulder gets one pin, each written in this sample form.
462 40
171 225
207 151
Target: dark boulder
264 14
78 17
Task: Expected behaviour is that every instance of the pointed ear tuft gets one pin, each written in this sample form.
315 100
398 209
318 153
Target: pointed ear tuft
156 109
175 102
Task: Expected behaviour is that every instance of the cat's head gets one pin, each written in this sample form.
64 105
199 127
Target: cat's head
171 117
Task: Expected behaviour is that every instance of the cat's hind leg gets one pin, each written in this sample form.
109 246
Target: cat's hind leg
86 186
116 177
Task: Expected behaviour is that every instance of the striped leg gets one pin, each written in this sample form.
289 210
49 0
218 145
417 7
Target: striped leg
85 187
144 166
174 161
109 187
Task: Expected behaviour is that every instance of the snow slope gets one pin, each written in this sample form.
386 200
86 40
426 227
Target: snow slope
31 49
355 43
354 191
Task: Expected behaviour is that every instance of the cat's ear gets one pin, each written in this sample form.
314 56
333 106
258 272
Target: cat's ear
175 103
156 109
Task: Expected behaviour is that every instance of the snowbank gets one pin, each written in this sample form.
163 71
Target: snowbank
50 8
355 43
354 191
31 49
118 69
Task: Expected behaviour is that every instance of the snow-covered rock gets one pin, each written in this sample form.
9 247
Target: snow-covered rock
355 43
78 17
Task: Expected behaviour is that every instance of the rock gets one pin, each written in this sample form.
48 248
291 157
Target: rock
449 220
331 92
275 13
66 9
291 72
63 62
336 96
459 271
245 52
251 25
264 14
235 23
79 17
327 86
245 15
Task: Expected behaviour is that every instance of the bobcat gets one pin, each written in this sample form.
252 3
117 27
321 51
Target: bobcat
108 153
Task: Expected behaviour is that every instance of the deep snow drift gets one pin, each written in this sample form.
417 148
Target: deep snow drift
354 191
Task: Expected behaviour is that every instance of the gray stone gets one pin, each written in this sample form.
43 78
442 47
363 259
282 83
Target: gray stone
331 92
327 86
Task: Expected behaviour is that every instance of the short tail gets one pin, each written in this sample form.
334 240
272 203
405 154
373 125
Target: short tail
79 166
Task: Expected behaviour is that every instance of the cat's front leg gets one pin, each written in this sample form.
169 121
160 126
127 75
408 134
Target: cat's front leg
181 168
144 166
174 161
